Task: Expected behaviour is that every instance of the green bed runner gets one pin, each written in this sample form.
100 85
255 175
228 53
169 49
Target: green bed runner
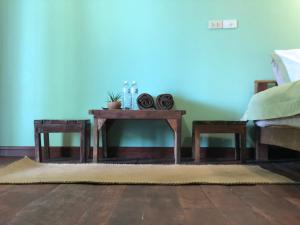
276 102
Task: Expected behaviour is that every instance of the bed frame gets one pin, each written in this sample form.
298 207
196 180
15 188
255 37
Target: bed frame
281 136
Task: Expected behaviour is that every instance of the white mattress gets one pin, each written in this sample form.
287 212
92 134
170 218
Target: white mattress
293 121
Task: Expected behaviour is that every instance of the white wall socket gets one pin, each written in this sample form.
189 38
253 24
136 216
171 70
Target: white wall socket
230 24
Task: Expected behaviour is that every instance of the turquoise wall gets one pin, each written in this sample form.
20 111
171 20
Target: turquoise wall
58 59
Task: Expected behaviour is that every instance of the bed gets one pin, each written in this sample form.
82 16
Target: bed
275 108
282 132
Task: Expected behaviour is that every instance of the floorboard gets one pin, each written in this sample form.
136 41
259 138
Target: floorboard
17 197
68 205
198 208
162 207
231 207
273 208
130 209
102 205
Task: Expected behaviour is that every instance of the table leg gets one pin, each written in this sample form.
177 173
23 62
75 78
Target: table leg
196 144
175 124
98 124
46 146
178 141
96 142
104 140
237 146
38 147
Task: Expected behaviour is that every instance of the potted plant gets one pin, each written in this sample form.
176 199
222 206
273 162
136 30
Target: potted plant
114 101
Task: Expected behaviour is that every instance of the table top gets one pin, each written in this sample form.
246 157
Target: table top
137 114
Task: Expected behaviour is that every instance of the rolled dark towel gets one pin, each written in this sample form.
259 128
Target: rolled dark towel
145 101
164 102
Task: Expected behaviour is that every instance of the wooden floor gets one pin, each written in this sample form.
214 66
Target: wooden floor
77 204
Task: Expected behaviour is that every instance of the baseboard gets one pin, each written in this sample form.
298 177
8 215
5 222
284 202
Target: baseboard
127 152
17 151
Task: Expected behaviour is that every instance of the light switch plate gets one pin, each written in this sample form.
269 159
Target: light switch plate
215 24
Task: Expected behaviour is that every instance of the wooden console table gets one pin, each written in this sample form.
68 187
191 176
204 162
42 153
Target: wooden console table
102 119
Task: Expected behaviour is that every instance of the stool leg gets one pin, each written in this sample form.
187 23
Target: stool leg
38 147
46 145
237 146
196 144
83 144
82 148
87 141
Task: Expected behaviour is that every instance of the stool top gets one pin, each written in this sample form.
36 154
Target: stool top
61 121
219 122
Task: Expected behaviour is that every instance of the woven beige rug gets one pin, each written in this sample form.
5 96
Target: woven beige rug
27 171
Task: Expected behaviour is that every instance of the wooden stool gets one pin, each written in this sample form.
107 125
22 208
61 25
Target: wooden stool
61 126
236 127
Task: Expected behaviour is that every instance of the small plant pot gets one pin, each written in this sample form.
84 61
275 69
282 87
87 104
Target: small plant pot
114 105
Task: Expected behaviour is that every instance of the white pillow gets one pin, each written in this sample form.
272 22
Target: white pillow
291 61
279 70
